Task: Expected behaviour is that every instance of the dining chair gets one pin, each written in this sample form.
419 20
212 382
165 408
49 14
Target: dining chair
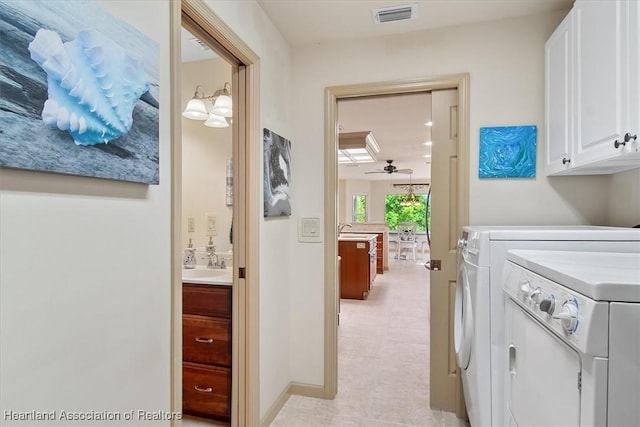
407 238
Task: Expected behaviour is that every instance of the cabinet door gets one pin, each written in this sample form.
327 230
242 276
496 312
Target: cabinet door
634 72
558 97
601 78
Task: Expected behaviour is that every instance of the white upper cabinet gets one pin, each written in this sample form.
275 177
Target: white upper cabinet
558 69
592 86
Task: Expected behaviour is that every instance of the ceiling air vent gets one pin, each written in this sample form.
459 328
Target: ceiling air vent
395 13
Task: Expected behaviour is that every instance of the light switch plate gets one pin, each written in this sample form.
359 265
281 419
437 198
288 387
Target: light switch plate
309 230
191 224
211 222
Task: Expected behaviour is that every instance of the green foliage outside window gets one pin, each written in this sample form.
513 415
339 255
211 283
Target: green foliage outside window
395 213
359 208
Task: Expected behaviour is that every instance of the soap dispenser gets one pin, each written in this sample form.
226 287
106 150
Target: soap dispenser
189 260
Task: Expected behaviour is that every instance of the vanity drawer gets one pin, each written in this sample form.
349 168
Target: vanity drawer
206 300
206 340
206 390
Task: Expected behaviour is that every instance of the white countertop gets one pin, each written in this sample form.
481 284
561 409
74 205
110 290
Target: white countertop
356 237
602 276
208 276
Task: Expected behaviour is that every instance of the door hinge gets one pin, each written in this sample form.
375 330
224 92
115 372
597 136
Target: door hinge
241 273
580 381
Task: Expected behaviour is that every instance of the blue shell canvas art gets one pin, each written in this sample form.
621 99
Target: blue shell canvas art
80 90
508 152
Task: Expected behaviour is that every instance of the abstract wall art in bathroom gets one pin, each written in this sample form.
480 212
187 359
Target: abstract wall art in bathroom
277 175
79 92
508 152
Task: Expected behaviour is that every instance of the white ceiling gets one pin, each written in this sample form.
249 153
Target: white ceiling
398 125
304 22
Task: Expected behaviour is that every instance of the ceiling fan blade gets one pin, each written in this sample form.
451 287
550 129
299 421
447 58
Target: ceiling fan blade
404 171
377 172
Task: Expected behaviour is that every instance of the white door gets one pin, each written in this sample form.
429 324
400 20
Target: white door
446 386
601 37
542 386
558 97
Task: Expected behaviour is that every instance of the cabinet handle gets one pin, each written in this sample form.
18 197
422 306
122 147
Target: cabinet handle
204 340
627 137
203 390
565 160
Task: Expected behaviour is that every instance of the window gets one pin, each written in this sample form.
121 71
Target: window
395 213
359 208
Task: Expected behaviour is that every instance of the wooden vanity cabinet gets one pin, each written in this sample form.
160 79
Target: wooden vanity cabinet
206 351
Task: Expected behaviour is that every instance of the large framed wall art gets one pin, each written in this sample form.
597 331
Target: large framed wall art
79 92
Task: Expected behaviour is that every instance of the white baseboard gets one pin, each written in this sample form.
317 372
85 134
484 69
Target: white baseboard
300 389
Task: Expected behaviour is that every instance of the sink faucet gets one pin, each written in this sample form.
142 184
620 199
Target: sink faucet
342 226
211 254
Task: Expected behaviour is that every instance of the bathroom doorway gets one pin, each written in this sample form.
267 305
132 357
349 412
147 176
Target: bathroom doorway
214 195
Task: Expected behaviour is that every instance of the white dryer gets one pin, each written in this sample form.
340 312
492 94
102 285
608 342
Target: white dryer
572 340
479 331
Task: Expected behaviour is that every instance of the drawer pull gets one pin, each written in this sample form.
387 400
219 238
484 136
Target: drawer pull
204 340
203 390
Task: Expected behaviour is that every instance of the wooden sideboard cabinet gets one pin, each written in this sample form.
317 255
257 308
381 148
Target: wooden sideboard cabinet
206 350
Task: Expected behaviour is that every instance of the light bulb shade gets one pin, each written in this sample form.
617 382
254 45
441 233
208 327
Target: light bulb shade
223 106
196 110
215 121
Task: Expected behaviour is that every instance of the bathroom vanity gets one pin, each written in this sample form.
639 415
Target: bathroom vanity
206 344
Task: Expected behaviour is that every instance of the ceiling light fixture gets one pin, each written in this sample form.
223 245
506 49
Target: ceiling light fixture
196 108
357 147
411 199
428 143
429 123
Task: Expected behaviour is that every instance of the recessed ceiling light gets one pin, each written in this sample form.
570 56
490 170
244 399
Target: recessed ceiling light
429 123
426 156
428 143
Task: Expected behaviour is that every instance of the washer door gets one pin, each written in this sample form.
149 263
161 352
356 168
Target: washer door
463 316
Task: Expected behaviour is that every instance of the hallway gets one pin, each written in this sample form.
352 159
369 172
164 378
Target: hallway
383 360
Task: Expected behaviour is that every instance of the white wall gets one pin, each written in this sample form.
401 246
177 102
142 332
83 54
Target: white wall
623 199
251 24
506 61
205 151
85 290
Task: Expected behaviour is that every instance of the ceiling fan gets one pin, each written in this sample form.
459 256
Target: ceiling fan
390 168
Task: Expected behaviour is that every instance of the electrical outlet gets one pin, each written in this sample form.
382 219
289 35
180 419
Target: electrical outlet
212 224
191 225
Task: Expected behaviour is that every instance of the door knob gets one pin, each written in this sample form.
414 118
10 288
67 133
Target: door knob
435 265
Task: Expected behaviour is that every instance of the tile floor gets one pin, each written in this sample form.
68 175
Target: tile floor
383 361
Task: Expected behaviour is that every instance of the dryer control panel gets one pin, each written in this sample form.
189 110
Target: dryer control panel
580 321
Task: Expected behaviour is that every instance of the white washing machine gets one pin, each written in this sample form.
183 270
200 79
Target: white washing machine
479 306
571 339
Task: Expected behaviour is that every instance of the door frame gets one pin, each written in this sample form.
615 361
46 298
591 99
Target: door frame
332 95
245 389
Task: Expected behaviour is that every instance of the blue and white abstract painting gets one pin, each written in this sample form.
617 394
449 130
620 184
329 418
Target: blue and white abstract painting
79 92
508 152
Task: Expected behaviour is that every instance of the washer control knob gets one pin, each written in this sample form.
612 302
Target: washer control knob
525 287
568 316
548 305
536 295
